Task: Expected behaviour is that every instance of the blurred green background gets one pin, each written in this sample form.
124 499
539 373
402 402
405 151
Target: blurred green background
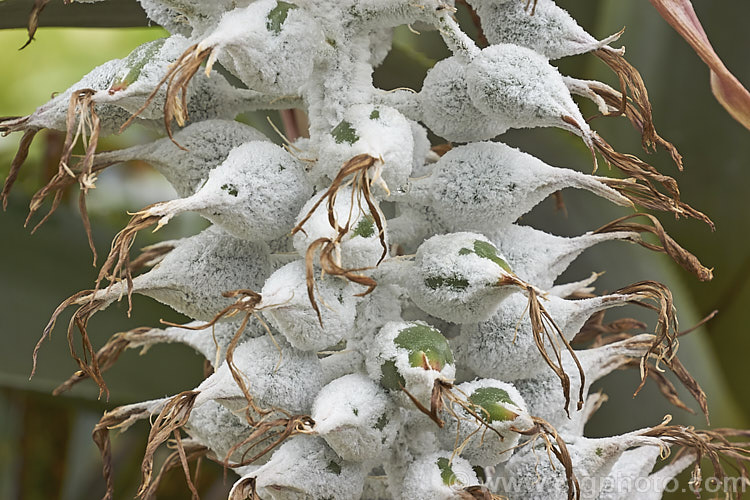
45 446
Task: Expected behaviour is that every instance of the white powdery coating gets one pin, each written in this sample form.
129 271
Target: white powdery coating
216 427
192 277
453 285
379 131
474 441
491 184
519 87
503 346
182 15
52 115
356 418
629 471
417 380
422 149
287 306
424 481
277 376
544 394
255 194
592 460
340 363
538 257
360 247
375 310
550 31
210 343
305 468
248 45
205 145
380 45
447 107
413 224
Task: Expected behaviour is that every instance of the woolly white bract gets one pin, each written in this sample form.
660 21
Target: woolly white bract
370 306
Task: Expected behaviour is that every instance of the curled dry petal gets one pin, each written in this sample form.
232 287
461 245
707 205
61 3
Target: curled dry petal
726 88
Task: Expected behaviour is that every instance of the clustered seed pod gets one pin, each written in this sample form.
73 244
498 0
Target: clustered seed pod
378 322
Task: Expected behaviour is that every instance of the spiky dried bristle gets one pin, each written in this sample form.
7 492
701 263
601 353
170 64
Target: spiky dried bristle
170 420
177 79
555 445
668 246
89 305
649 137
276 430
649 197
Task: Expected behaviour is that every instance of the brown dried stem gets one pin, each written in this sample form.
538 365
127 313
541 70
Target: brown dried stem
668 246
245 489
178 78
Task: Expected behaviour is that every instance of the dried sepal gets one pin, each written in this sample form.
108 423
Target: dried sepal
669 246
716 445
649 197
177 79
173 416
33 23
88 306
554 445
275 430
15 166
185 451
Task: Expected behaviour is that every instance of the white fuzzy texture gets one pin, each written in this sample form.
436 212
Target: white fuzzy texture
423 480
544 394
503 346
192 277
592 460
210 343
538 257
360 248
476 443
491 184
247 44
277 376
205 145
255 194
550 31
217 428
417 380
356 418
305 468
456 287
379 131
287 306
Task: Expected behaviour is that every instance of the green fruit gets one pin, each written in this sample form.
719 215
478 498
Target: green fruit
489 399
486 251
134 64
391 379
344 132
